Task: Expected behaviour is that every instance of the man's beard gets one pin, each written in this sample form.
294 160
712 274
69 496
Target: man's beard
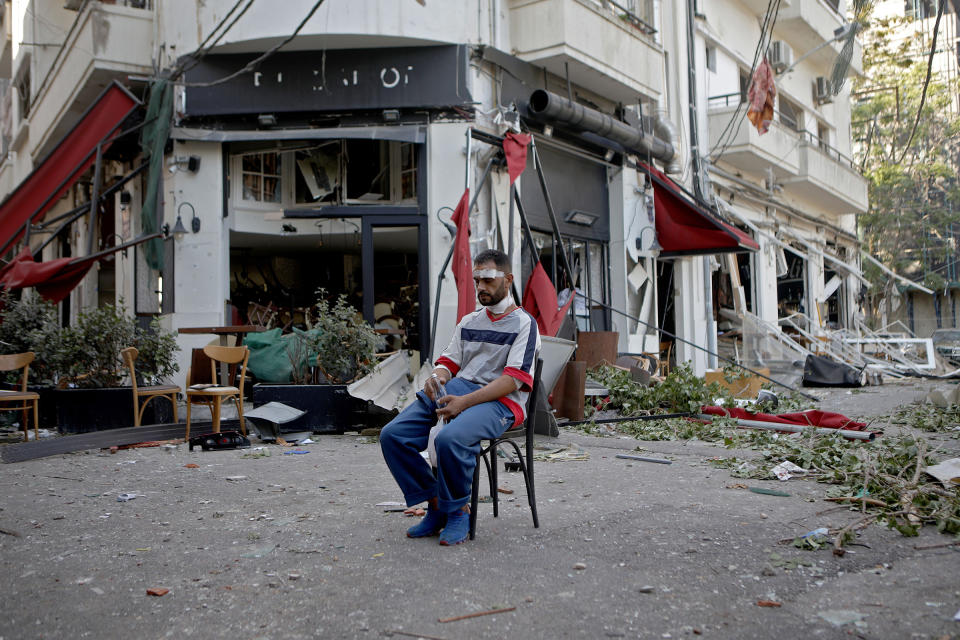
490 299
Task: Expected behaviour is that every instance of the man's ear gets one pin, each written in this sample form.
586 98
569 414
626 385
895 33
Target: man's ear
508 278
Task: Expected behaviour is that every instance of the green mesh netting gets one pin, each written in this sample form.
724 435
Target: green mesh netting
272 355
153 137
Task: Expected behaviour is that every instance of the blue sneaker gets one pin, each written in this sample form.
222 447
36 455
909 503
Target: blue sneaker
457 529
431 524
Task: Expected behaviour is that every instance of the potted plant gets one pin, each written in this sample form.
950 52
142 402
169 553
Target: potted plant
80 369
30 324
338 348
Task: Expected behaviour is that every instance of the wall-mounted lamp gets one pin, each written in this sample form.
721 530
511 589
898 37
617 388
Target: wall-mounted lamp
608 156
178 230
266 120
575 216
190 163
654 247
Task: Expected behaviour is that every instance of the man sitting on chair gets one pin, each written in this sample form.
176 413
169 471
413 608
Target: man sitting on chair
488 373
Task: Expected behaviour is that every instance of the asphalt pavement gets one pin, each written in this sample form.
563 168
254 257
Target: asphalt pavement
271 543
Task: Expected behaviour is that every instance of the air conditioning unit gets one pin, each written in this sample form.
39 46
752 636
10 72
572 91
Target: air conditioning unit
780 55
822 91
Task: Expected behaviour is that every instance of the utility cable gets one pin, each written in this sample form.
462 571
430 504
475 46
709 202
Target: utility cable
193 59
696 346
926 82
250 66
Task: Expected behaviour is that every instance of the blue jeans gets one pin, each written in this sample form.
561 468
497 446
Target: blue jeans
458 444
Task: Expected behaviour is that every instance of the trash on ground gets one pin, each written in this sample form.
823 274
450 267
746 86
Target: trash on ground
477 614
295 452
646 589
769 492
786 470
947 472
504 490
769 603
157 591
126 497
389 503
220 440
235 478
816 533
564 453
191 465
415 511
627 456
840 617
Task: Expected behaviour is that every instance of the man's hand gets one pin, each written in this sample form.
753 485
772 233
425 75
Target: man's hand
430 386
451 406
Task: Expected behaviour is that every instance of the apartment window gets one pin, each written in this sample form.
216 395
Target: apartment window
791 114
744 85
712 58
260 175
23 91
823 135
919 9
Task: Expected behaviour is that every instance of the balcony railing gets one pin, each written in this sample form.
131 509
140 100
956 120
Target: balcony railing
734 99
641 23
814 140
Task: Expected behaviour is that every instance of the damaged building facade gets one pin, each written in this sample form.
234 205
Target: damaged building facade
335 161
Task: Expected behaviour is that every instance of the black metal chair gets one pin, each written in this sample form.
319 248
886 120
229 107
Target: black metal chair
489 456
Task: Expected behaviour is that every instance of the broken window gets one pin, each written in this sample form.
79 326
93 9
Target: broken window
260 174
334 172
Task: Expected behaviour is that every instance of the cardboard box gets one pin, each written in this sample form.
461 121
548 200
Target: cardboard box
745 387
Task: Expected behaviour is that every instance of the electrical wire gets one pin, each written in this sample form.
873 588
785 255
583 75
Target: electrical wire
250 66
766 33
926 82
193 59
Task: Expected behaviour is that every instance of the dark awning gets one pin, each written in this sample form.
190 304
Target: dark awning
54 279
65 164
684 228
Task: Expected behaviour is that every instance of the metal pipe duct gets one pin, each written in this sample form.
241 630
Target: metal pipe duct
667 131
551 107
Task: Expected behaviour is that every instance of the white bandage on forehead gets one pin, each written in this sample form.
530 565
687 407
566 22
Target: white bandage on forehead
487 273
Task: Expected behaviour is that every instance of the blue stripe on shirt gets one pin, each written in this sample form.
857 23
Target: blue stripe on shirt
531 349
485 335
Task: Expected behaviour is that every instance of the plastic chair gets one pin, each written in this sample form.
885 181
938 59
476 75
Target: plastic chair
24 398
168 391
489 456
213 395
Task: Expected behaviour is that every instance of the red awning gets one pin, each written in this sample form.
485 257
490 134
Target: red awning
65 164
54 279
684 228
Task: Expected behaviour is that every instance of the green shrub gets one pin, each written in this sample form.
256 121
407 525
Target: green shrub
346 345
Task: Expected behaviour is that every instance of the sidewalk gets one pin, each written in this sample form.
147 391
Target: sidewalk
294 546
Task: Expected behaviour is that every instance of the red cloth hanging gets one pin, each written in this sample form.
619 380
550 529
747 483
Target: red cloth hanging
540 301
515 149
462 262
53 279
763 89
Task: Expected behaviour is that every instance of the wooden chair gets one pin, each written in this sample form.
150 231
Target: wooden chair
489 456
666 350
168 391
213 395
22 398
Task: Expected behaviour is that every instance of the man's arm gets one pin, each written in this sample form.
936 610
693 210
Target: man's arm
502 386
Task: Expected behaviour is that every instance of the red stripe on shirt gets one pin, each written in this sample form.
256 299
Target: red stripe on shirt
526 380
449 364
515 409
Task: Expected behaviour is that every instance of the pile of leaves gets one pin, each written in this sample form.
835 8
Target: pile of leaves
883 478
929 417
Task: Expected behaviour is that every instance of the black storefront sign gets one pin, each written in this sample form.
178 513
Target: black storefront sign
330 80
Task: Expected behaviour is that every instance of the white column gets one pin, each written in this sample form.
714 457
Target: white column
765 273
688 299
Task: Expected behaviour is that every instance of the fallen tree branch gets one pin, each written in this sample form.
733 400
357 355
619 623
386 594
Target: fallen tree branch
477 614
871 501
